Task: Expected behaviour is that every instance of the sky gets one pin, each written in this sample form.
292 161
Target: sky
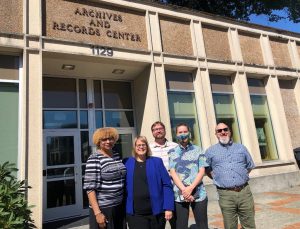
282 24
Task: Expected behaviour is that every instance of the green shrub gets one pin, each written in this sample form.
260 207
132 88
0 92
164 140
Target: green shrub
14 210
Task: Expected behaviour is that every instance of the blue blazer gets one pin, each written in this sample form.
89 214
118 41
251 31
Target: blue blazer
159 184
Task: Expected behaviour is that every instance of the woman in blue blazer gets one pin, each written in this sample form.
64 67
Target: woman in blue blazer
150 197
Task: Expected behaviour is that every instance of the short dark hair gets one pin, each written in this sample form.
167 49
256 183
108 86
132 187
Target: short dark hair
158 123
182 124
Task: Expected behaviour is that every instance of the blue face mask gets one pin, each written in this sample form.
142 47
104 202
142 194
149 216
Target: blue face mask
182 137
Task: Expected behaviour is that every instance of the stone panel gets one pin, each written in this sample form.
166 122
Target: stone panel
280 53
291 110
216 43
92 22
11 16
9 67
251 49
176 36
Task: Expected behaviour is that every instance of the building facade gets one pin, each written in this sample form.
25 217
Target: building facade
69 66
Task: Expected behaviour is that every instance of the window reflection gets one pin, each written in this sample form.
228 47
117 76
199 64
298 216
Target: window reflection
264 129
124 145
224 104
262 119
99 119
84 120
97 94
82 94
117 95
60 150
85 147
60 193
182 104
59 119
119 118
225 112
59 93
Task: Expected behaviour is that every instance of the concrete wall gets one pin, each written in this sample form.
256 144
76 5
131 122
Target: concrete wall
258 184
292 112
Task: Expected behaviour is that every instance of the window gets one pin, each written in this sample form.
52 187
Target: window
224 104
117 100
9 103
9 108
262 119
182 104
60 103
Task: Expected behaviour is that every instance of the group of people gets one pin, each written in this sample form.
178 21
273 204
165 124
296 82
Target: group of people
162 180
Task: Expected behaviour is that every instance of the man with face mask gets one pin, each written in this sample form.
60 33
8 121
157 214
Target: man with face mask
229 166
187 167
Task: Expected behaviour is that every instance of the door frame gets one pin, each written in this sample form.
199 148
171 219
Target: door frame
73 210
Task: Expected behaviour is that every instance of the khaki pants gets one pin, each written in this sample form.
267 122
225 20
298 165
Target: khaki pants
236 205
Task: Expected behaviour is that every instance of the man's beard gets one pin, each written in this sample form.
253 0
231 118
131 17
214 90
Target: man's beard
160 136
224 141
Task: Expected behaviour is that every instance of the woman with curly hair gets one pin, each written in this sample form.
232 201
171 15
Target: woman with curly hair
104 182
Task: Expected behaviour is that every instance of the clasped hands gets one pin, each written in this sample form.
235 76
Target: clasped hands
187 193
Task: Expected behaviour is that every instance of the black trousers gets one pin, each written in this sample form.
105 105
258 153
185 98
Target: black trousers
182 214
114 215
146 221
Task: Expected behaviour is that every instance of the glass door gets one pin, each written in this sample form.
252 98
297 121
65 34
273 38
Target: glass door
62 175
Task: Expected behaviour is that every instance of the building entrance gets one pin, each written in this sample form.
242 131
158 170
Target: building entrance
72 110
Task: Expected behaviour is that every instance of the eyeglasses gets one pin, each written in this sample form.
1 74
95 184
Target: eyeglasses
224 129
141 146
158 129
107 139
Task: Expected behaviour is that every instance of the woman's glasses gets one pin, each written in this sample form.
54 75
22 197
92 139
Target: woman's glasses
107 139
141 146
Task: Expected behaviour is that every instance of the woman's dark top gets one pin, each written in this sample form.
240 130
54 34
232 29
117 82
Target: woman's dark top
141 196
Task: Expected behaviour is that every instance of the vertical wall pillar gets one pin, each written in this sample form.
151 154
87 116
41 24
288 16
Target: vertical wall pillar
297 93
154 31
163 98
292 46
34 128
266 50
34 134
146 101
234 44
209 111
204 107
279 121
245 116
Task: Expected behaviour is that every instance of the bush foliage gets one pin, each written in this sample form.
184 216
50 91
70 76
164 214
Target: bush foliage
14 210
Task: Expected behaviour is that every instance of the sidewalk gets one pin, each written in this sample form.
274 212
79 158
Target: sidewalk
274 210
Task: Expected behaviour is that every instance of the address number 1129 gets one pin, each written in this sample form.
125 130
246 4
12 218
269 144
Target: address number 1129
102 51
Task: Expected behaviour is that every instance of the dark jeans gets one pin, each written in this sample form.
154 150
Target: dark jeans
199 210
114 215
146 221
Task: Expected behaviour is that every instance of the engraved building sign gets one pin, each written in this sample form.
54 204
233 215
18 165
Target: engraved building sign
90 22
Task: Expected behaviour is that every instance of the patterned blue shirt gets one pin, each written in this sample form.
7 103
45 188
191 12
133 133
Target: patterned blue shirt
229 164
187 162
